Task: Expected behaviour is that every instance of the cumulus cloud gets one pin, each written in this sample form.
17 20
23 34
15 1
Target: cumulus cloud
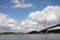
20 4
35 21
41 15
7 23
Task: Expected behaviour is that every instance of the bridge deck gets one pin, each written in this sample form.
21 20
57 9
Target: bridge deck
50 27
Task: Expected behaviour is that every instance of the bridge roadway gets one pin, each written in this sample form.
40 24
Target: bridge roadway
49 28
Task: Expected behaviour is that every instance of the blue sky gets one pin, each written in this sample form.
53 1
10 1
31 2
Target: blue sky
22 13
28 15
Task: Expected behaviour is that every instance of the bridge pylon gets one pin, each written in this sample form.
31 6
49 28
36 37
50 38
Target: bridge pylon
46 25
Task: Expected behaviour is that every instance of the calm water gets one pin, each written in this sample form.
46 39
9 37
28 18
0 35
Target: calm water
30 37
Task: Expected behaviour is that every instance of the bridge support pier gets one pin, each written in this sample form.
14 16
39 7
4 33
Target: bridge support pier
46 31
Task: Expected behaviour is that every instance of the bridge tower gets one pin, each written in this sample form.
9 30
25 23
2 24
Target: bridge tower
46 25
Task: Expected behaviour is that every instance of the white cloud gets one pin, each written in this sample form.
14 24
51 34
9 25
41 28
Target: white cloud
2 19
48 12
38 17
41 15
28 24
8 23
20 4
35 20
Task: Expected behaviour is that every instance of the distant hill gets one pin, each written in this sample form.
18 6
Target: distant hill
11 33
49 31
7 33
33 32
54 31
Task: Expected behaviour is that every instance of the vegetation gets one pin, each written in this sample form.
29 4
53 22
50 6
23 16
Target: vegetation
8 33
12 33
54 31
44 32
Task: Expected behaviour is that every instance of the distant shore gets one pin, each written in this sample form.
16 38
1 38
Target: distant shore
56 31
11 33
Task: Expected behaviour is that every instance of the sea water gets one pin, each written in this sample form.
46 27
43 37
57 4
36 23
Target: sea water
30 37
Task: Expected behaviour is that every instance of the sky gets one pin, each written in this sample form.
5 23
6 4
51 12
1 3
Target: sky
28 15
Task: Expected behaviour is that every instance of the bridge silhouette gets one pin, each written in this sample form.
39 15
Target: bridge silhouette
46 29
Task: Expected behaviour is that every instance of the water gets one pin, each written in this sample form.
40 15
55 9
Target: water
30 37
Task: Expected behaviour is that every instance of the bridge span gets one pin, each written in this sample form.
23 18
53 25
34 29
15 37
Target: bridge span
46 30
